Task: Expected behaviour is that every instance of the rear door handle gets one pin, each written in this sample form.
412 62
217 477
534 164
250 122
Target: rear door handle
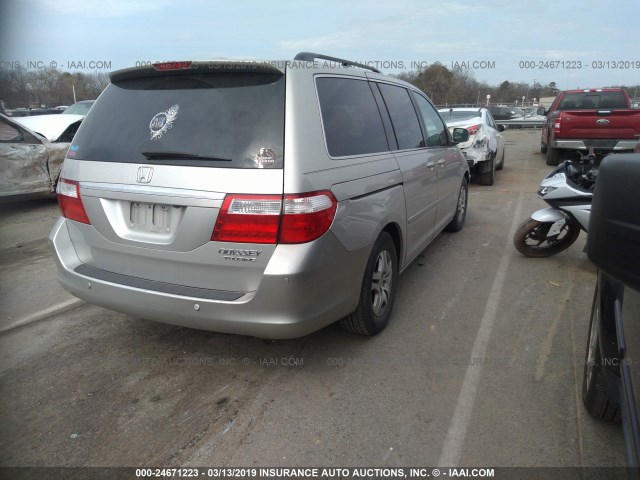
441 162
431 165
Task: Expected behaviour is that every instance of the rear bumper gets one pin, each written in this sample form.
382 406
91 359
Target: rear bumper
473 156
304 288
601 144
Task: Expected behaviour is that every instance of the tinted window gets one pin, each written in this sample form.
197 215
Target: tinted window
587 100
221 120
436 131
352 123
403 116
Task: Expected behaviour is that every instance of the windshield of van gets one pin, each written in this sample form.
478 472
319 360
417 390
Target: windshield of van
227 120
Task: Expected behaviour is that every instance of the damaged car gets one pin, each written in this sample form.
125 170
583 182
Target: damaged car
484 151
55 128
29 163
59 128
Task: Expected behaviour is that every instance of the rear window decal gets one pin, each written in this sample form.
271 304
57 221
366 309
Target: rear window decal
265 158
163 121
73 150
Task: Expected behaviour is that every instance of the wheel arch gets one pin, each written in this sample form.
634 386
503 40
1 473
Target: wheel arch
393 229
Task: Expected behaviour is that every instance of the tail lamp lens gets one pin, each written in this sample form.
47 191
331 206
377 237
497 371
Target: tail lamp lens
70 202
307 217
248 219
299 218
473 129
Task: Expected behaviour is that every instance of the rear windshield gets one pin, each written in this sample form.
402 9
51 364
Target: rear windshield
589 100
225 120
455 115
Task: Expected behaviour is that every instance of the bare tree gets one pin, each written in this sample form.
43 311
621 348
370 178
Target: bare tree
20 87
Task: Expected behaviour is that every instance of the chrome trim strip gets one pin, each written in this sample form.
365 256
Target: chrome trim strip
149 190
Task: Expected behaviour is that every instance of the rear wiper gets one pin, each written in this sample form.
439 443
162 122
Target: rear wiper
164 155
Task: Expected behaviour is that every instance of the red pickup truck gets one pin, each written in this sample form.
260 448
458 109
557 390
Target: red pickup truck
600 118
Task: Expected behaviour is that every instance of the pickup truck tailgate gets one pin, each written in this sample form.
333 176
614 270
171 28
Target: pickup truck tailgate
614 124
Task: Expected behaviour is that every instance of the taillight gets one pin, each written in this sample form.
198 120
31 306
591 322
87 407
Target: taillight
264 218
70 201
556 125
307 216
473 129
248 219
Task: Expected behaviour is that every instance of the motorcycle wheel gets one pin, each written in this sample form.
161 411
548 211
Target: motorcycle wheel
531 238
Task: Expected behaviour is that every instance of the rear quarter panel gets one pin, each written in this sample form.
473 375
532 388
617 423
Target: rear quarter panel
367 187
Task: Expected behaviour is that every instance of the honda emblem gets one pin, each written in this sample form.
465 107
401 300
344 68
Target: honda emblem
144 174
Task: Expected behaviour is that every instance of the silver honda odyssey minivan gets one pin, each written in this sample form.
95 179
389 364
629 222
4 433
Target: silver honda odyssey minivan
259 198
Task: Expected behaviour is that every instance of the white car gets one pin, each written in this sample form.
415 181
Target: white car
484 151
55 128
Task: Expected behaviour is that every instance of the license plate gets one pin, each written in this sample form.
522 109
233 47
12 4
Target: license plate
150 217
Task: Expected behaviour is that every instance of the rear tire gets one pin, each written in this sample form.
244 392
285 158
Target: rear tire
378 290
595 394
553 156
487 172
543 148
457 222
531 238
500 166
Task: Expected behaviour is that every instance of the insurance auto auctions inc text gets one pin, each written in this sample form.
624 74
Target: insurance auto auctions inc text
272 473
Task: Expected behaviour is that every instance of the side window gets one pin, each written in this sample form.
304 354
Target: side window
403 116
9 134
436 130
352 123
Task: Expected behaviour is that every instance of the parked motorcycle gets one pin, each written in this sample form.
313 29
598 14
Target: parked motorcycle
568 190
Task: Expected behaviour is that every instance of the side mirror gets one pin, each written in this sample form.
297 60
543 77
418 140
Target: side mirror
541 111
460 135
501 128
614 225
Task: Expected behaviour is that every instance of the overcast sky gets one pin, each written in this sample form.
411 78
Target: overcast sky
503 39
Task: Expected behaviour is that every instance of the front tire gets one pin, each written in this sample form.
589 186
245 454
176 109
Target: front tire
378 290
531 238
595 394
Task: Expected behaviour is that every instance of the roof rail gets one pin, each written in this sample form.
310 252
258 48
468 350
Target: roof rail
310 57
